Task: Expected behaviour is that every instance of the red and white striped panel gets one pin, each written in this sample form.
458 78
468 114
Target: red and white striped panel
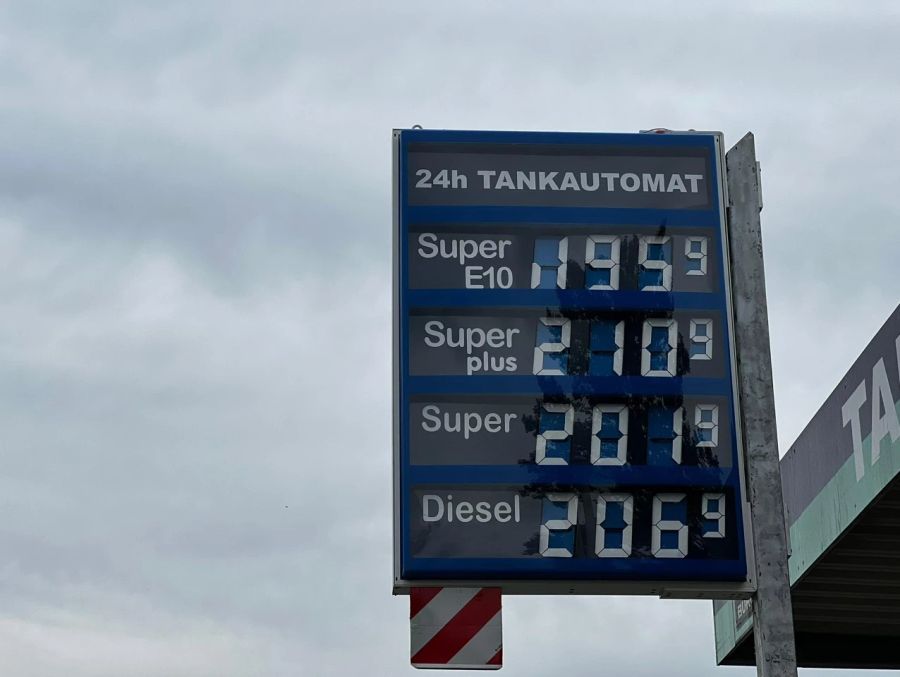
456 628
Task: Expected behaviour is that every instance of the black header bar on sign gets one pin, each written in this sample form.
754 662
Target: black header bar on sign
558 176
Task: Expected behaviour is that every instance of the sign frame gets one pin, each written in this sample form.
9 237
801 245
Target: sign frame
662 588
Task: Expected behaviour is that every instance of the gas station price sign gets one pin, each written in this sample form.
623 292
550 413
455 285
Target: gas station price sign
564 399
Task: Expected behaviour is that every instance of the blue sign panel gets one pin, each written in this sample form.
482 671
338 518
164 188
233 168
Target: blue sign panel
564 374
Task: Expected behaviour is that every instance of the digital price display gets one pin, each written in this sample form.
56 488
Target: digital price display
564 372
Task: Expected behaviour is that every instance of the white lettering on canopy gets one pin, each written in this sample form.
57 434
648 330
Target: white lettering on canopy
883 424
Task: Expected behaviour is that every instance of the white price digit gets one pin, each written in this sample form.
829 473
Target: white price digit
706 423
701 339
557 524
614 540
555 349
607 341
655 261
609 434
548 270
662 526
658 348
601 260
713 507
695 251
554 435
664 428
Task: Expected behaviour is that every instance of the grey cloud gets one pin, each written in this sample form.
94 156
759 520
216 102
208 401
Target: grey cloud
195 244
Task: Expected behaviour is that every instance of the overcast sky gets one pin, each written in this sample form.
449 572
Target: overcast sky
195 291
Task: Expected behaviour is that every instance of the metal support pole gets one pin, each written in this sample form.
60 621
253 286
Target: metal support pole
773 623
